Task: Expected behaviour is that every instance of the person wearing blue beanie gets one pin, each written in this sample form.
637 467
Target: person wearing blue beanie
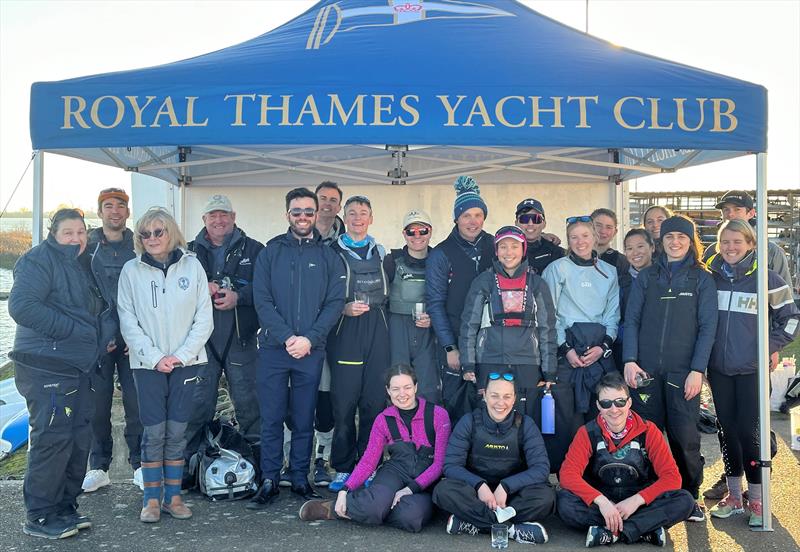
468 195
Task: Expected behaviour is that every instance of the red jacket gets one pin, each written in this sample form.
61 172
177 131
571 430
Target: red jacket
580 452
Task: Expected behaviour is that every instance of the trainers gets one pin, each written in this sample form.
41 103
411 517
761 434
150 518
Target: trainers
321 476
315 510
338 482
657 537
718 490
756 514
368 482
285 480
137 478
457 526
528 533
697 513
94 480
54 527
71 515
599 536
727 507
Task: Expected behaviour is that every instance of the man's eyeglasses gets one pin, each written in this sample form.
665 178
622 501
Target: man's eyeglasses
157 233
582 218
605 404
497 375
417 231
297 211
530 218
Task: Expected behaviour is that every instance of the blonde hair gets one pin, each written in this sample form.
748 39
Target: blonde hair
158 214
741 226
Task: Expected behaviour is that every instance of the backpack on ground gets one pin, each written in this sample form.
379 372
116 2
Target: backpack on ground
225 463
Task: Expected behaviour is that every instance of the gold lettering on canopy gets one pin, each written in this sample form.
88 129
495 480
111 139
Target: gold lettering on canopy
309 108
358 105
166 109
501 116
728 114
618 112
284 109
94 114
410 109
681 114
377 119
654 115
238 107
451 109
137 111
190 113
479 108
582 121
555 110
70 113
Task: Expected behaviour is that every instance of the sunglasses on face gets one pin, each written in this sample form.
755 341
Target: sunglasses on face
417 231
497 375
605 404
530 218
157 233
582 218
297 211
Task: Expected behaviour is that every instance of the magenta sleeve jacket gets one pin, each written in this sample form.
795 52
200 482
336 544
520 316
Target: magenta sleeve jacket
380 437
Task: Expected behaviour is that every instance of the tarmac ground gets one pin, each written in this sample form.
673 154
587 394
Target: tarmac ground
228 526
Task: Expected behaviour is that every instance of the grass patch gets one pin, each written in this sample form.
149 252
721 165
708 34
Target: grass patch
792 349
13 467
7 370
13 243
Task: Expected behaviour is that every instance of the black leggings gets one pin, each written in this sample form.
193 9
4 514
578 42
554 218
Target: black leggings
736 401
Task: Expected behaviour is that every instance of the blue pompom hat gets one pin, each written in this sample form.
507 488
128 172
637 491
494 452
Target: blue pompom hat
468 195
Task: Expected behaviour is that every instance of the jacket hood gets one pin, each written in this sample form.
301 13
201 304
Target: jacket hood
746 266
70 251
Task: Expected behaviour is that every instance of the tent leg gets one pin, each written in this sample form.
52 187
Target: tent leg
763 340
38 199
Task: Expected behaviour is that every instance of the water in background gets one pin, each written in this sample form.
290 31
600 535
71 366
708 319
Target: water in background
7 326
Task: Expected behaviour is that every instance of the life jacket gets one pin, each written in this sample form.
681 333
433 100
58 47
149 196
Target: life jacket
622 473
408 286
511 301
366 276
404 457
495 456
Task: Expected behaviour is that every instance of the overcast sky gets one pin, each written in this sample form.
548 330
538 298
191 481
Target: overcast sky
757 41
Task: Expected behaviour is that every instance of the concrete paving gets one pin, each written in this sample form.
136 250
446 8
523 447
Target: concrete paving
228 526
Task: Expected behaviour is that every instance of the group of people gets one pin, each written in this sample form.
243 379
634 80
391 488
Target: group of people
314 329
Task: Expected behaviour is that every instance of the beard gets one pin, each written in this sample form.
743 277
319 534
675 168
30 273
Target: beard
302 232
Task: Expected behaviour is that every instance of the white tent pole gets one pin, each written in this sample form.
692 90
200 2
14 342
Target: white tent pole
763 339
38 198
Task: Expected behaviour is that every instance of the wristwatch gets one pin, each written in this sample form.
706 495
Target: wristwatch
450 348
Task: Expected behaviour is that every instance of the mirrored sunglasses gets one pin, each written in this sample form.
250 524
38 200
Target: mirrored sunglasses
297 211
531 218
497 375
582 218
417 231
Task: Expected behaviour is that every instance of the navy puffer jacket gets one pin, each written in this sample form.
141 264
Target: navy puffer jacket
50 302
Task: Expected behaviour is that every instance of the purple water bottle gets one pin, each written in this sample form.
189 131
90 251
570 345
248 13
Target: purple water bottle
548 413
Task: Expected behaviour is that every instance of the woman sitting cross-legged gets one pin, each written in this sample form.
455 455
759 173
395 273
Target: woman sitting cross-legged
415 433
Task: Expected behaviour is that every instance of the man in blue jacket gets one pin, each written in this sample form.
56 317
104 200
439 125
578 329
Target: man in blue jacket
449 271
110 247
228 256
496 469
298 289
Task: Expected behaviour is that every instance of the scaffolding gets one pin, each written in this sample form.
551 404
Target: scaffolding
783 214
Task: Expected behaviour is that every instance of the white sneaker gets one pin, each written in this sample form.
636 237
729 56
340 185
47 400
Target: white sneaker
137 479
94 480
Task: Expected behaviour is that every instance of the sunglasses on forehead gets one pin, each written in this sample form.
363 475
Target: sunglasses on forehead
157 233
417 231
497 375
582 218
531 218
297 211
605 404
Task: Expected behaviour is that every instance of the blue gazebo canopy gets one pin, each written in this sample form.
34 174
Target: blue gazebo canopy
447 87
